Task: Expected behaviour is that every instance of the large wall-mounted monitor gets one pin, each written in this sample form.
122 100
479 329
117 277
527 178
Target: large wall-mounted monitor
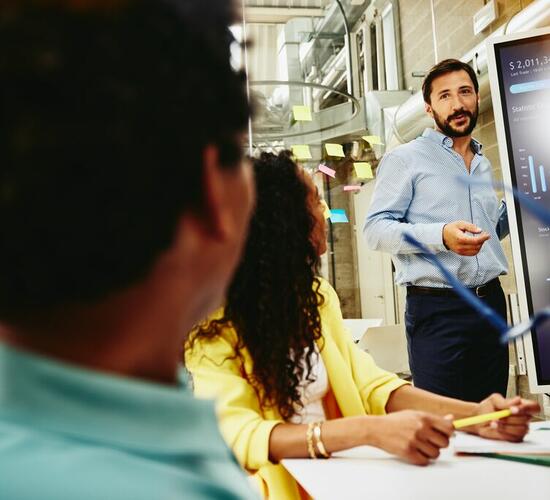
519 71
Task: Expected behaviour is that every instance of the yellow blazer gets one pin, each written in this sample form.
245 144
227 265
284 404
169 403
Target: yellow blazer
359 386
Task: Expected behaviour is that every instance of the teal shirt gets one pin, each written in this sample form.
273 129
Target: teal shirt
69 433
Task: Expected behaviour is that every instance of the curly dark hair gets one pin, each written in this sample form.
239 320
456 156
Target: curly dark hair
105 111
273 301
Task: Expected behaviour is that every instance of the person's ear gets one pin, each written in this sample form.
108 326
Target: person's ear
428 109
216 214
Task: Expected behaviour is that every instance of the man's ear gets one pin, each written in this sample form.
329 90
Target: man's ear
217 219
428 109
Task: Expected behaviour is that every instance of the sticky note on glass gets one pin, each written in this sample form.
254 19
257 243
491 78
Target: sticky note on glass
335 150
326 170
301 152
373 139
363 170
338 215
352 187
302 113
326 210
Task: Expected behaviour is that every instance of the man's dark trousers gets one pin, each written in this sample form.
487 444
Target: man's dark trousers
452 351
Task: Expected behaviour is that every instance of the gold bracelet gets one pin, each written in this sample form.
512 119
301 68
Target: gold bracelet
309 440
318 441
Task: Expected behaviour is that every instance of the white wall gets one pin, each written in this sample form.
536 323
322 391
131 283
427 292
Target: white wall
374 268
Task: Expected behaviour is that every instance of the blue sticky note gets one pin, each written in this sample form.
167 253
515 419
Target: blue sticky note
338 215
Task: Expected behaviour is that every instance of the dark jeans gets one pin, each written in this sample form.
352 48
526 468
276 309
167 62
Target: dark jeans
452 351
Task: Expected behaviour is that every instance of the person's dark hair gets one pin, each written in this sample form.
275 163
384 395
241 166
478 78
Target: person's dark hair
104 116
273 301
442 68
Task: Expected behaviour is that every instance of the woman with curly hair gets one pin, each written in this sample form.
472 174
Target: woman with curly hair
288 379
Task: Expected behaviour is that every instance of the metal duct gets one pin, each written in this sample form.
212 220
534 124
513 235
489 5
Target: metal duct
410 118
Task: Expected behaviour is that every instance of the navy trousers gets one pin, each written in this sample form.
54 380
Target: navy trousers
452 351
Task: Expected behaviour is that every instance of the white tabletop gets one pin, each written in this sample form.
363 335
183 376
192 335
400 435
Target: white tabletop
358 327
366 472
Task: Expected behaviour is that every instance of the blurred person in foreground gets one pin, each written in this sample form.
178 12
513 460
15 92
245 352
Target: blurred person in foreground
123 210
289 381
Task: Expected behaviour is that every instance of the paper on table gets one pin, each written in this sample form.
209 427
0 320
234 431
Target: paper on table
536 441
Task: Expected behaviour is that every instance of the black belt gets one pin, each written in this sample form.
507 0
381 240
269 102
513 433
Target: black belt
480 291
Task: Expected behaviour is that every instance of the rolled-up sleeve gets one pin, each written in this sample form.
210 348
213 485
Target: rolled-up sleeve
385 223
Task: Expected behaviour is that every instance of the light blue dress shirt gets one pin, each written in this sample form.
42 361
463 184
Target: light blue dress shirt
418 190
68 433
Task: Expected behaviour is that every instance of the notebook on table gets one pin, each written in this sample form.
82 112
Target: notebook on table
534 449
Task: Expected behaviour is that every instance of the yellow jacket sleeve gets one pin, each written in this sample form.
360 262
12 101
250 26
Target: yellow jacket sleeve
217 373
374 384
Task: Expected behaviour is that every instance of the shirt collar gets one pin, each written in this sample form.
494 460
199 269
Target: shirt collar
118 412
447 142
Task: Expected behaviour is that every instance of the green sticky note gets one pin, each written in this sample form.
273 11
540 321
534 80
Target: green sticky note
302 113
335 150
363 170
301 152
373 139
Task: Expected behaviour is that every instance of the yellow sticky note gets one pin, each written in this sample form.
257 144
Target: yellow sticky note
301 152
363 170
373 139
302 113
326 211
335 150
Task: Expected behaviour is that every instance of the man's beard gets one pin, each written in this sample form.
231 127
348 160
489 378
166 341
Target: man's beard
446 127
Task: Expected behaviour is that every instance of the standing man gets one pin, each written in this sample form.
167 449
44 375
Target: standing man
124 204
452 351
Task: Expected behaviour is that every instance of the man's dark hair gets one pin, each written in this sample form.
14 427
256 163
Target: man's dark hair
442 68
104 117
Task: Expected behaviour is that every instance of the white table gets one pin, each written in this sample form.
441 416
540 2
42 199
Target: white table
358 327
372 474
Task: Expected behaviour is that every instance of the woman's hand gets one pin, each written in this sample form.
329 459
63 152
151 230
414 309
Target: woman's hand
415 436
512 428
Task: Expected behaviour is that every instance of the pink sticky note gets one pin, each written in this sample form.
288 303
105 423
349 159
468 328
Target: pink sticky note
327 170
352 188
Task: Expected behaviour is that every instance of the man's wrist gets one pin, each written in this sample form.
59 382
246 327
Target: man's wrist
443 237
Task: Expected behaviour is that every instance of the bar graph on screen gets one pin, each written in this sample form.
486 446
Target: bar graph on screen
535 178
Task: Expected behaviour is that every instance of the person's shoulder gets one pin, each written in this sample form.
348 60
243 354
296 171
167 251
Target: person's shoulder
402 156
324 287
48 466
330 299
214 340
224 331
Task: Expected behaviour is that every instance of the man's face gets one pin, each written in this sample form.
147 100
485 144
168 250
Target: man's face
454 104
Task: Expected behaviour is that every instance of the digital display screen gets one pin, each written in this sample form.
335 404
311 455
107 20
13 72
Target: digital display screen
523 68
